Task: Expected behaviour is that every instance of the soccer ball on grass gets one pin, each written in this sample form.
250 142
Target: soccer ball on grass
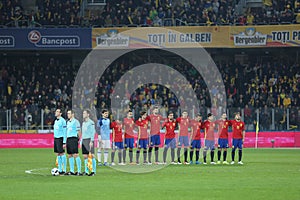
54 172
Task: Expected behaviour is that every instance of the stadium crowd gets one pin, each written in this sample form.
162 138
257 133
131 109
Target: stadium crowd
193 12
148 13
31 84
264 85
48 12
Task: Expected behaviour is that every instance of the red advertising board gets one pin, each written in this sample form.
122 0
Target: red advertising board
280 139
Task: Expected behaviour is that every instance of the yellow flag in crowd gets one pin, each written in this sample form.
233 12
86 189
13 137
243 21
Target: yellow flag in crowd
129 19
257 128
267 2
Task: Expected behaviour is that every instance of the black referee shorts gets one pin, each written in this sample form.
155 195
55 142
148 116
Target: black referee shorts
86 146
72 145
58 145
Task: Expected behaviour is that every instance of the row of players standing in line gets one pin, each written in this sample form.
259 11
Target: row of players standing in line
122 142
67 135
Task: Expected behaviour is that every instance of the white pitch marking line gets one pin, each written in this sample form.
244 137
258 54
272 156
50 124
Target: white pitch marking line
33 171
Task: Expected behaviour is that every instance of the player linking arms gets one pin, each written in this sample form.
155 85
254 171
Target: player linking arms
209 128
88 135
73 133
154 119
117 142
142 143
60 137
195 138
238 135
170 141
183 124
129 136
223 124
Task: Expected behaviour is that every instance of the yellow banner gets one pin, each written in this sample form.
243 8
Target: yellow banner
159 37
197 36
265 36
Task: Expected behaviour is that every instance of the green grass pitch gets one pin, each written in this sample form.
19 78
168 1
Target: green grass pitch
266 174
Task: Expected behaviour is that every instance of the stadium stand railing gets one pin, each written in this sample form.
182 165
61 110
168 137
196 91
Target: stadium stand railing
96 2
271 119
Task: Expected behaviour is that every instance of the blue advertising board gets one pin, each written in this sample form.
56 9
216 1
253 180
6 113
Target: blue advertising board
46 38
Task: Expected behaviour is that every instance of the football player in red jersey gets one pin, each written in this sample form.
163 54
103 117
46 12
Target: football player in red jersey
142 143
223 125
238 135
209 138
129 125
117 140
170 141
195 138
183 124
155 127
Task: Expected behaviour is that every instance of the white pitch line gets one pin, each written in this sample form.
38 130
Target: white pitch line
33 171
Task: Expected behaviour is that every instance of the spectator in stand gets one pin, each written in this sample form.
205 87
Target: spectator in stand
250 19
231 91
286 101
265 119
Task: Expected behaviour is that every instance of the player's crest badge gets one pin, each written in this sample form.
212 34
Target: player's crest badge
250 31
241 124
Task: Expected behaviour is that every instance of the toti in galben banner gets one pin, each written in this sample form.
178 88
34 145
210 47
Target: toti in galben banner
206 36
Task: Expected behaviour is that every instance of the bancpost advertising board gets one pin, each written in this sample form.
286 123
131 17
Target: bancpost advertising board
206 36
50 38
